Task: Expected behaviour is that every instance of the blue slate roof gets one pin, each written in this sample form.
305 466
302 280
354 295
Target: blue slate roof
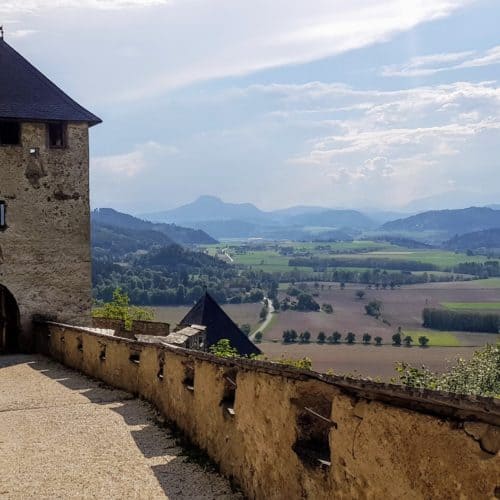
26 94
219 325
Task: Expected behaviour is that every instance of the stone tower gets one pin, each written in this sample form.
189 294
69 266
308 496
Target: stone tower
45 267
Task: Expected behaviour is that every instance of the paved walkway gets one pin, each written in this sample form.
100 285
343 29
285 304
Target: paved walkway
63 435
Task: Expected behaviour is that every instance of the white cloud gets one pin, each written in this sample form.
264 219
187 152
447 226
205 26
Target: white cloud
36 5
394 145
178 43
21 33
311 30
437 63
133 163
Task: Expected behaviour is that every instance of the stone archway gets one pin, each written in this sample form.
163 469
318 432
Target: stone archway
9 322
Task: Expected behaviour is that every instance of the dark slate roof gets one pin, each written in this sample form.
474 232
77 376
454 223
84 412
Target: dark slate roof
219 325
26 94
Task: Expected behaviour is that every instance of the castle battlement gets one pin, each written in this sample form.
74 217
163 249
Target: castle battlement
287 433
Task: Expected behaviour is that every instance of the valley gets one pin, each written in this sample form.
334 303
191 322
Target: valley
321 282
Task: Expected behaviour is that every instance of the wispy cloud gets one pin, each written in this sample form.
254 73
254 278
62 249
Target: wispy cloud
22 33
132 163
394 145
35 5
437 63
312 30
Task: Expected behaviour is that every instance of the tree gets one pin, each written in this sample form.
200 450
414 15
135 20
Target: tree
120 308
423 341
342 285
223 349
366 338
305 337
360 294
351 338
305 302
246 329
408 341
327 308
374 308
378 340
276 304
336 336
263 313
396 339
321 337
476 376
293 335
286 337
258 337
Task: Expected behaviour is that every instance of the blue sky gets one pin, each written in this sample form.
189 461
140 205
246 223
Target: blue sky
387 104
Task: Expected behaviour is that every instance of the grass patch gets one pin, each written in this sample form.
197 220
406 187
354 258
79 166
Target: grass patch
487 283
472 306
436 339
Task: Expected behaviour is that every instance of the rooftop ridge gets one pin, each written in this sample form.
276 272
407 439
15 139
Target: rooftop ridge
41 79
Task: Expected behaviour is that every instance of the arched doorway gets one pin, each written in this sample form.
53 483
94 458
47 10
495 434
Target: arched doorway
9 322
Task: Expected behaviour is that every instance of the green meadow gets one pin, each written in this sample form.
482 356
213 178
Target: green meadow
472 306
436 339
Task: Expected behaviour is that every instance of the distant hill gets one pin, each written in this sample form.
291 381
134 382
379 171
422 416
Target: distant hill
334 219
106 220
208 208
227 228
489 239
450 221
244 220
119 240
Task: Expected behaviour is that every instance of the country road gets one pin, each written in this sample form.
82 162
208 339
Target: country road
269 317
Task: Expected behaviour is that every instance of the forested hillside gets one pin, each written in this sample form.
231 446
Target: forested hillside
488 240
177 234
153 269
451 221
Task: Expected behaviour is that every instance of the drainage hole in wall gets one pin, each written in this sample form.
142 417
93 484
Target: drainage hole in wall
312 445
189 376
135 357
229 394
102 353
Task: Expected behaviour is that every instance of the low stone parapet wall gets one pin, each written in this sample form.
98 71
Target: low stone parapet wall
283 433
138 327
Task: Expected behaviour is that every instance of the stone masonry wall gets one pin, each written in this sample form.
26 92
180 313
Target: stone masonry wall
374 440
45 250
139 327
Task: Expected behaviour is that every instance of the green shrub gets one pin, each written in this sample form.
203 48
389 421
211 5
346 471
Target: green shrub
479 375
120 308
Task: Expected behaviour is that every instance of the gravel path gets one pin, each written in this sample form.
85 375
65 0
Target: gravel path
63 435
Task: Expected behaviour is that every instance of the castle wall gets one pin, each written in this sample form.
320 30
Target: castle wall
45 250
384 441
139 327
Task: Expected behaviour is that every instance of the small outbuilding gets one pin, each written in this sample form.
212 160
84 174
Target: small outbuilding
218 325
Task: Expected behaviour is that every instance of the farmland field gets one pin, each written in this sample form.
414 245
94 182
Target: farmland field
367 360
401 306
267 257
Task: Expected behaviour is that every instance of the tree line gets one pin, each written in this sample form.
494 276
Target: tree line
441 319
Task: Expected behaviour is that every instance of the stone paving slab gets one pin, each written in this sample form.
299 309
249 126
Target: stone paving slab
63 435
